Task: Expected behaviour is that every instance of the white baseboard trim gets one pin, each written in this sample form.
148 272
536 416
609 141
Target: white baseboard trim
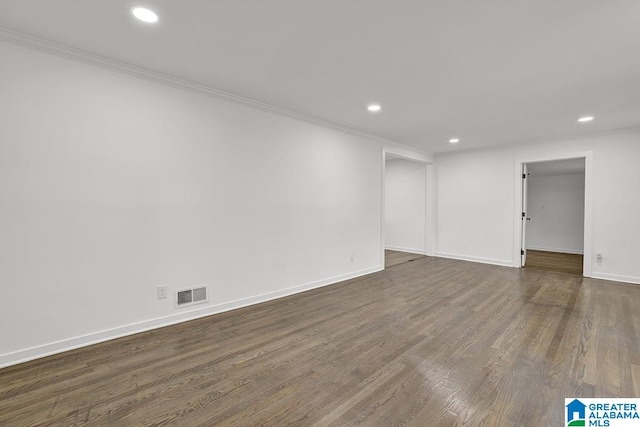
491 261
408 250
49 349
616 278
562 251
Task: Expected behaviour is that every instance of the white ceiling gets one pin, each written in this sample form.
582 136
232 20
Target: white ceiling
491 72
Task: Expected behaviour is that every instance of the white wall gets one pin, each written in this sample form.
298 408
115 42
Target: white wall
405 205
556 208
476 199
111 185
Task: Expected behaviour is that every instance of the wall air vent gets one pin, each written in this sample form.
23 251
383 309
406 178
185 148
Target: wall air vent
191 296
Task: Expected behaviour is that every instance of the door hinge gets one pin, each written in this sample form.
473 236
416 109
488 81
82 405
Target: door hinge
521 251
523 214
524 176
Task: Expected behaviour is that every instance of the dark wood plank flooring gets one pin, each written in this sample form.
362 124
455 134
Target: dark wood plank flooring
433 342
554 261
392 258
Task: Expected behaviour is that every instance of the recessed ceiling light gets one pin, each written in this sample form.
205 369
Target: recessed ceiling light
144 14
374 108
454 140
585 119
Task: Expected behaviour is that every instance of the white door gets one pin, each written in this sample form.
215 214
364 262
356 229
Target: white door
523 248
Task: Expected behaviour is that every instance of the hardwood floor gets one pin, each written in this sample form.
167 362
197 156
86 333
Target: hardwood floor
392 258
431 342
554 261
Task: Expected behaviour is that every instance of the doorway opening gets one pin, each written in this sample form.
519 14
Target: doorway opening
405 228
553 215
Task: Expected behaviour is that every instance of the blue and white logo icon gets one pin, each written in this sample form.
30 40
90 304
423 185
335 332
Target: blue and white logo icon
576 413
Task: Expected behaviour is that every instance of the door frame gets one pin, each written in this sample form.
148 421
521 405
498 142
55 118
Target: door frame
588 204
524 184
430 187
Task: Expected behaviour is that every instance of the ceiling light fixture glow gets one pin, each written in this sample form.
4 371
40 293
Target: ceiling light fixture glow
585 119
454 140
374 108
144 14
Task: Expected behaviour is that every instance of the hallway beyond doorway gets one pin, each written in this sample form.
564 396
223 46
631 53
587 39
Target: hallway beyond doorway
554 261
392 258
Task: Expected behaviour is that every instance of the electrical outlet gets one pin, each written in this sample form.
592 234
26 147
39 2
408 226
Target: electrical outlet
162 292
599 257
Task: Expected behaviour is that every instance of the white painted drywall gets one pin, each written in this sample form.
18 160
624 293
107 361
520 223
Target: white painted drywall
556 208
405 204
111 185
476 198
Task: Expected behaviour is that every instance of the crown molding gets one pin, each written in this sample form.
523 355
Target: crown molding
67 52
